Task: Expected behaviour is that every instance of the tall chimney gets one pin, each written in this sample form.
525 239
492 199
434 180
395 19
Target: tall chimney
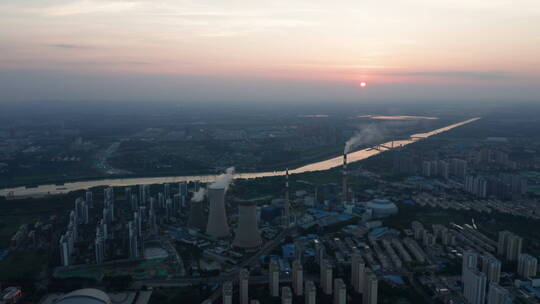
344 189
287 205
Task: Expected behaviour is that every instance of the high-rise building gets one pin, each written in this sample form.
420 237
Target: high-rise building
418 230
474 288
169 210
326 277
104 229
108 194
81 211
227 293
503 242
427 168
527 265
144 193
340 292
247 234
133 241
357 272
370 289
89 198
286 295
273 278
443 169
137 221
127 194
298 278
491 267
498 295
217 225
243 284
196 186
152 217
134 203
513 248
178 203
310 294
458 168
99 246
161 200
182 189
167 190
476 185
65 254
470 262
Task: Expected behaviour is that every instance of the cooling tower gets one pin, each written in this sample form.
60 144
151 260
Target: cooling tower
196 215
217 218
247 233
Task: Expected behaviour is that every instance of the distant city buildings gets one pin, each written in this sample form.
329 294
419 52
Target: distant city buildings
491 267
243 286
474 286
273 279
527 266
509 245
498 295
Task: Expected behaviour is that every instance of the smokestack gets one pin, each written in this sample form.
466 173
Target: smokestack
247 232
217 218
287 205
344 187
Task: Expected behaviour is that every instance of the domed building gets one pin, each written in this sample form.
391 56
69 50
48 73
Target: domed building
382 208
85 296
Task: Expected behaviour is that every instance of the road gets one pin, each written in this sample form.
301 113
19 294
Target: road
232 276
267 248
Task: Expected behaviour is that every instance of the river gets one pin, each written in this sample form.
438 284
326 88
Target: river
317 166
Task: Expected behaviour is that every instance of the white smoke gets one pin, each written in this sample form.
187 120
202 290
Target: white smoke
224 180
366 135
199 195
375 133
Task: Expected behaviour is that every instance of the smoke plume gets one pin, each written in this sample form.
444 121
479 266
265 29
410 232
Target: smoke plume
376 132
366 135
224 180
199 195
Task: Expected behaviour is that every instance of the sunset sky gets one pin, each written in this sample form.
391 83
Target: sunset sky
264 50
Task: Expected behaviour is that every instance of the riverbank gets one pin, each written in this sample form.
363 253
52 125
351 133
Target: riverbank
336 161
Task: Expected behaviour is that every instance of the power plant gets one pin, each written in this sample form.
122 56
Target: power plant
247 233
217 218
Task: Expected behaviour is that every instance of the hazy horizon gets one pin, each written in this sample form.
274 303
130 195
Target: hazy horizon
241 51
